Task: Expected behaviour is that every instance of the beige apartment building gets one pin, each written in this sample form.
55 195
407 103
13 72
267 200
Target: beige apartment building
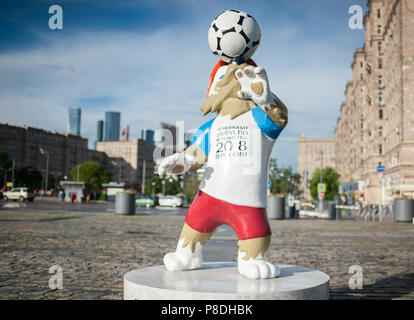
129 161
375 126
313 154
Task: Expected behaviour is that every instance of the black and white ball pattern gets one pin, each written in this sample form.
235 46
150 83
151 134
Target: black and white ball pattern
234 36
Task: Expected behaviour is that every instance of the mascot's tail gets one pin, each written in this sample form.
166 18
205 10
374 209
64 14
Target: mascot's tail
218 65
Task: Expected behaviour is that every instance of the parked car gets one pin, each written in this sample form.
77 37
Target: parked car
21 194
307 205
144 201
170 201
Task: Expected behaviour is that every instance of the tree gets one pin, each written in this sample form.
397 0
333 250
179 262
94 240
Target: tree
283 180
330 177
191 187
153 186
172 186
92 173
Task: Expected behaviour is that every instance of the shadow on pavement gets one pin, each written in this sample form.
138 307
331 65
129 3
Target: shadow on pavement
383 289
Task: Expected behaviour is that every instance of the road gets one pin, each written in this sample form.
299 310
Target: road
91 208
95 248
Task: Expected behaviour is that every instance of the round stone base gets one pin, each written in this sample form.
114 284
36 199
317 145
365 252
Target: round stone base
221 281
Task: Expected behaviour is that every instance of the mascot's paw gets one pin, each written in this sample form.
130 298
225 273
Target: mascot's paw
175 261
178 163
254 85
258 269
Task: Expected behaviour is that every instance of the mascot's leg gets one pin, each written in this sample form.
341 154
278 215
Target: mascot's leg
251 261
188 254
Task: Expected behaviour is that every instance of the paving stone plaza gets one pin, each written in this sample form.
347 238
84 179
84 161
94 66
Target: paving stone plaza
96 248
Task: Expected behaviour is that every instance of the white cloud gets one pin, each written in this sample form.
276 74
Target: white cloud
163 76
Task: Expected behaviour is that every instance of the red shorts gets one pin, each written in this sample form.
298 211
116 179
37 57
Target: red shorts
207 213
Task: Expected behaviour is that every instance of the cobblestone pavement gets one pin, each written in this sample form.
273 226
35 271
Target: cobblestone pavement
95 251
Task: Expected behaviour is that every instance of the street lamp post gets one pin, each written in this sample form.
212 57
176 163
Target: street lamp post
42 151
320 179
169 185
163 186
119 169
13 173
320 174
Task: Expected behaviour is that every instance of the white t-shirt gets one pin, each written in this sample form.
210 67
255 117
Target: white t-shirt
238 160
238 153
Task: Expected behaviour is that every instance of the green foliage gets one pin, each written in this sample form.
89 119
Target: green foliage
92 173
102 197
172 186
191 187
283 180
330 177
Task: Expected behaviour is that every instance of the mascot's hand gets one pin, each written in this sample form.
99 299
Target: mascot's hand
178 163
254 86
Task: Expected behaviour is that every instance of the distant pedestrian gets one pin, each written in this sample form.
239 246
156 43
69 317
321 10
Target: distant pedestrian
88 197
73 197
62 195
344 198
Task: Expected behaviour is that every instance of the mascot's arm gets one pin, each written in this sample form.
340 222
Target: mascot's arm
192 158
277 111
271 119
266 123
200 146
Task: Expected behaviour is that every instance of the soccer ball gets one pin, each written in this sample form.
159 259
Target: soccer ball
234 36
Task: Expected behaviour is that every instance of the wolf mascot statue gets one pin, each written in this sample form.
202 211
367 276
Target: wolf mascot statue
235 148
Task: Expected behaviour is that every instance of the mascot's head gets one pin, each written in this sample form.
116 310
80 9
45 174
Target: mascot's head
234 36
226 100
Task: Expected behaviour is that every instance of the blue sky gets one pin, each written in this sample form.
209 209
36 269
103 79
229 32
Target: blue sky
151 61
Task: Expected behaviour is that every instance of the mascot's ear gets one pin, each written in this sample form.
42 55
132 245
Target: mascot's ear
218 65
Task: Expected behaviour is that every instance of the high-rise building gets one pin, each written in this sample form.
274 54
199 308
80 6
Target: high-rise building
74 121
169 136
125 134
148 136
131 162
99 130
112 125
375 126
314 153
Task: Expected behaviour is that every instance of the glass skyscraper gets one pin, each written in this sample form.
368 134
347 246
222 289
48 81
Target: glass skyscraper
74 121
99 130
148 136
112 126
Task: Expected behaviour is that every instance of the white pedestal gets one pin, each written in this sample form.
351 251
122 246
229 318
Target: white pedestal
221 281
